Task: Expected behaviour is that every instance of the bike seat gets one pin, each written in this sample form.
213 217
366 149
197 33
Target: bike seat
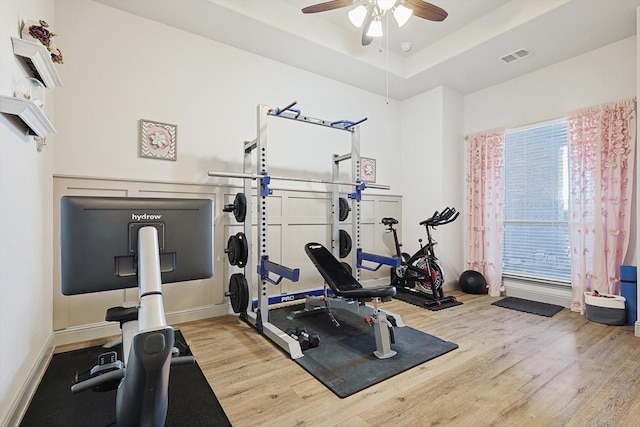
389 221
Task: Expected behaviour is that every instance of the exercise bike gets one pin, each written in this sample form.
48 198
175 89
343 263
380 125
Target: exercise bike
420 274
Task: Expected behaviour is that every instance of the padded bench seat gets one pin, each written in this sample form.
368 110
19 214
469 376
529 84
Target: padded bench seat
341 282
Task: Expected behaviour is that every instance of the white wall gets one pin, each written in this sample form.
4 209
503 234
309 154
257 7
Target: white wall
432 154
451 250
421 152
603 75
129 68
25 222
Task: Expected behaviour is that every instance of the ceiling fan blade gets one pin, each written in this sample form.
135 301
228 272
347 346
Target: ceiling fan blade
366 40
328 5
426 10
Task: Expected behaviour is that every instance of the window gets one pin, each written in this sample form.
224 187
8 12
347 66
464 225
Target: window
536 191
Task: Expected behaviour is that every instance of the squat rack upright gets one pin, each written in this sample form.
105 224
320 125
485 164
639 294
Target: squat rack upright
259 318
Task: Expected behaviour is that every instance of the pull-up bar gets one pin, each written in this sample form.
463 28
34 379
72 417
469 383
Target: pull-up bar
288 178
296 115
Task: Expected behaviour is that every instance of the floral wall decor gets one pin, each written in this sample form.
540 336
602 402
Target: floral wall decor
158 140
39 31
367 170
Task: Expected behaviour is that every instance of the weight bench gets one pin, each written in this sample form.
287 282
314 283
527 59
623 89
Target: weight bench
350 295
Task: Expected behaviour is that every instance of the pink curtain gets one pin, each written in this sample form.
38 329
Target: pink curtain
484 206
602 144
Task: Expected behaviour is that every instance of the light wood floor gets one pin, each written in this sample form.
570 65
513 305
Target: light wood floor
511 369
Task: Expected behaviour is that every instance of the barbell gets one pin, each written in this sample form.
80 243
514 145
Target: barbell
289 178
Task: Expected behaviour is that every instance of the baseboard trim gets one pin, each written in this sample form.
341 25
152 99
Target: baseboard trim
536 291
22 399
107 329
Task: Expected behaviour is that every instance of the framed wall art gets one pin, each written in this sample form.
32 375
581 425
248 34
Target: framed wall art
367 170
158 140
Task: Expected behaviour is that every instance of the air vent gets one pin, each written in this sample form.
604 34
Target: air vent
517 55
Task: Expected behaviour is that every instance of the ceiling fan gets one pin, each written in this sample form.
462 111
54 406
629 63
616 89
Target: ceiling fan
368 13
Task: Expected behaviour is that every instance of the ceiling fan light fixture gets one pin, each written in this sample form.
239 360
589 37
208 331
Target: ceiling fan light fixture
385 5
375 28
357 15
402 14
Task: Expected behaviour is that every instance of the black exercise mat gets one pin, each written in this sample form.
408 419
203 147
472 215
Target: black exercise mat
344 360
421 301
191 400
533 307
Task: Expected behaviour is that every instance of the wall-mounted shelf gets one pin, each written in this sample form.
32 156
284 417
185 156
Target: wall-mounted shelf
38 58
29 112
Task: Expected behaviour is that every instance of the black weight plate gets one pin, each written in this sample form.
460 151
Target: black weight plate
343 212
238 292
237 250
232 250
244 249
345 244
240 211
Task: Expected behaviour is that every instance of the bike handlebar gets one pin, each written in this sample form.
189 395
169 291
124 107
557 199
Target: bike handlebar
440 218
96 381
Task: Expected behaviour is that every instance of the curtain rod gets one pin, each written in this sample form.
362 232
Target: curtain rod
524 125
539 122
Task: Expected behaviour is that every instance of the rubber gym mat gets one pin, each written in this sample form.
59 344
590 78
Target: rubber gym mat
420 301
533 307
191 400
344 360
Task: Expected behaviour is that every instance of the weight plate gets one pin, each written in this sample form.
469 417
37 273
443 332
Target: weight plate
237 250
243 249
345 244
344 209
238 292
231 250
240 211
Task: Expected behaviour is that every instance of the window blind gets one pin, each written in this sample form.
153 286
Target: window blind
536 189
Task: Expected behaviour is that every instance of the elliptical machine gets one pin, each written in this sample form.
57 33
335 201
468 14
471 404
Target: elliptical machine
420 274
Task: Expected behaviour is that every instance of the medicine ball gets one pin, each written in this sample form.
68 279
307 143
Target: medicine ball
472 282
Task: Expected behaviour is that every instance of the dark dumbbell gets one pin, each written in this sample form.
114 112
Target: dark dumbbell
314 339
303 339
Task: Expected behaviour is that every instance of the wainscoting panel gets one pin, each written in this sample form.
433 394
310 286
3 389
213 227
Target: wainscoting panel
295 217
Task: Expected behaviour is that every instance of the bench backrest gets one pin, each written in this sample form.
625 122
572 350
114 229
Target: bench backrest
334 273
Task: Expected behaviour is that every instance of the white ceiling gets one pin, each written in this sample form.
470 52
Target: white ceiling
462 52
